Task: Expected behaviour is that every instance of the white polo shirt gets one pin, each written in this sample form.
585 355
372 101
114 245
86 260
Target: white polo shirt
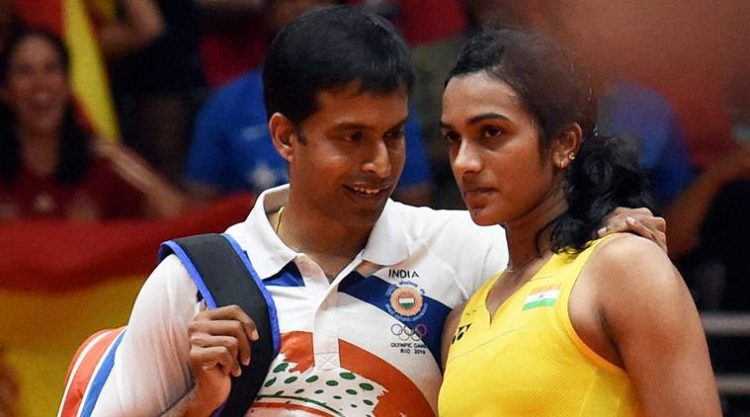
365 344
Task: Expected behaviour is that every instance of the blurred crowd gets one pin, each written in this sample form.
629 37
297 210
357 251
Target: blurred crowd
184 79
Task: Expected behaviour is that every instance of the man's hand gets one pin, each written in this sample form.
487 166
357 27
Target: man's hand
219 343
640 221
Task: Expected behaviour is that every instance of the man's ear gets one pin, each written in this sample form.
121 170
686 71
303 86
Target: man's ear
565 146
284 135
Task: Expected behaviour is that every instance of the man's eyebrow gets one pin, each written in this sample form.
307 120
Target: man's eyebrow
354 125
400 124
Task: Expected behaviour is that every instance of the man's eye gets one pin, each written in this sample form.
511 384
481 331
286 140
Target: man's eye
395 134
451 137
354 136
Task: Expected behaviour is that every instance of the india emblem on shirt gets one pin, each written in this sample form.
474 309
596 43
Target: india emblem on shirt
406 301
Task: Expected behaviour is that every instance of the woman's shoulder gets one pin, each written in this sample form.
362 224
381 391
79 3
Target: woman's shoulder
629 266
626 249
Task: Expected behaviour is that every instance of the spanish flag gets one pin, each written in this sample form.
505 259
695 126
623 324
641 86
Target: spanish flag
70 20
61 282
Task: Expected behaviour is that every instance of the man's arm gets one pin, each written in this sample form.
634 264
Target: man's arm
151 369
176 357
219 341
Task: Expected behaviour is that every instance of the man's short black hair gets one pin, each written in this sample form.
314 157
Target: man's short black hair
329 48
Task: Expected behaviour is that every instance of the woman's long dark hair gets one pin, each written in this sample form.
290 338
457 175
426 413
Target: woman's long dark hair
557 92
75 153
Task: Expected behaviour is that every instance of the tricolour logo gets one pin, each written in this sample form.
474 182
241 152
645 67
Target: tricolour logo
406 301
542 297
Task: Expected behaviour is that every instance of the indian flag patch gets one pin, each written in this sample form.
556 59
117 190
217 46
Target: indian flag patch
542 297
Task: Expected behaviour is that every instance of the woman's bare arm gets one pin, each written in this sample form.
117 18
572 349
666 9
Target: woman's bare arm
651 319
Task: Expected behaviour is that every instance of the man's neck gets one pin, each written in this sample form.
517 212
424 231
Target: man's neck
331 243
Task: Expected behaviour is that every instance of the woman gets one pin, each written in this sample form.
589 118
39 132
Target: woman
575 326
49 165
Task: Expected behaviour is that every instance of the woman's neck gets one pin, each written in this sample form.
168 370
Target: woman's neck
529 236
39 153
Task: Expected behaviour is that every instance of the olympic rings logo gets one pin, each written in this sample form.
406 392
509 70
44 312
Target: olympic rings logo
405 333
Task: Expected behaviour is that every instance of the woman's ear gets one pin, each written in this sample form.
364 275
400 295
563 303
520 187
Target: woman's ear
284 135
565 146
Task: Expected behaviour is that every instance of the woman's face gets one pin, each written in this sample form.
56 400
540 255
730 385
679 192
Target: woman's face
37 86
494 149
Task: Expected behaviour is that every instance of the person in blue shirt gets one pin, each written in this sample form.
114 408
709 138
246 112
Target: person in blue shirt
232 151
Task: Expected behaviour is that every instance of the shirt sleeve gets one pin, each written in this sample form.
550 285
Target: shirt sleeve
151 371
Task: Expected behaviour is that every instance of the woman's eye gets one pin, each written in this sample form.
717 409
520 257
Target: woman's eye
492 132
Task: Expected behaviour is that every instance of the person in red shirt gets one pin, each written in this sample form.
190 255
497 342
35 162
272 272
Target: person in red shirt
50 166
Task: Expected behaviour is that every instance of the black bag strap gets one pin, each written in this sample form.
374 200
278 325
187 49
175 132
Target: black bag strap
224 275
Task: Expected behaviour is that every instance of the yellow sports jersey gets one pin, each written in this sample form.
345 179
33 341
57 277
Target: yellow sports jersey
528 360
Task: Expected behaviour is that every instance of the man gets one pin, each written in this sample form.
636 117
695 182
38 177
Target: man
231 149
361 284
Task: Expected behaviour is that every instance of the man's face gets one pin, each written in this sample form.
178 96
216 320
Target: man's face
349 154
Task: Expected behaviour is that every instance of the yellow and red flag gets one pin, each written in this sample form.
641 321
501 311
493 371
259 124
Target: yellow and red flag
60 282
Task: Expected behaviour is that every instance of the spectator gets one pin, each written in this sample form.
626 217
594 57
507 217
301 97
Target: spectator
51 167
